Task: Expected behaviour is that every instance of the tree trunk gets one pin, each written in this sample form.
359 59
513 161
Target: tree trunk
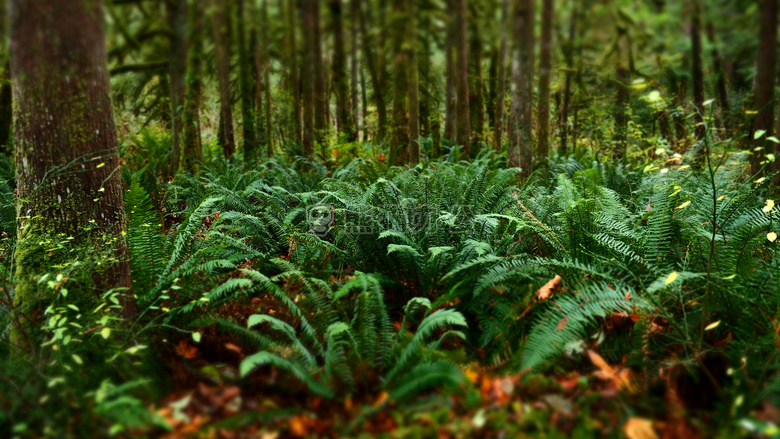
177 19
765 84
264 52
259 86
249 130
295 72
306 9
545 71
400 131
463 125
451 100
341 85
221 30
698 72
520 126
320 89
67 162
498 113
717 67
414 84
191 145
373 64
476 81
354 9
569 54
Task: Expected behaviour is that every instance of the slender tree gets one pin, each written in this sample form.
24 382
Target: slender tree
264 52
354 14
67 160
475 77
374 66
570 71
764 93
545 71
319 75
498 112
463 125
698 70
295 69
450 99
720 84
341 85
520 124
414 84
400 130
306 9
191 145
220 27
178 17
249 128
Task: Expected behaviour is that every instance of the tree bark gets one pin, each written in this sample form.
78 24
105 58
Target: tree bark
306 9
354 10
476 80
221 31
341 84
463 125
698 72
264 52
191 145
373 65
178 14
295 71
249 128
67 162
498 113
765 85
451 100
320 89
545 71
569 54
399 146
414 84
717 67
520 123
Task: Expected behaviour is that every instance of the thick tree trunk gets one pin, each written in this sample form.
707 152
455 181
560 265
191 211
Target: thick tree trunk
451 100
463 125
520 123
374 65
498 113
264 52
414 84
221 30
295 70
545 71
191 145
320 88
354 10
178 14
765 84
717 67
249 130
258 89
476 81
341 85
67 162
400 131
569 54
306 9
698 72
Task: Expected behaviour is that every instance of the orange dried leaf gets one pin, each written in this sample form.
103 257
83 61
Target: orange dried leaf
545 291
639 428
562 324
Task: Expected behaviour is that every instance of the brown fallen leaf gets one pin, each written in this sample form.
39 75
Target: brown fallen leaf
185 350
562 324
545 291
639 428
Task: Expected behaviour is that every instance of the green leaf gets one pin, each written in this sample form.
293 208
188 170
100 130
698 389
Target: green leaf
196 336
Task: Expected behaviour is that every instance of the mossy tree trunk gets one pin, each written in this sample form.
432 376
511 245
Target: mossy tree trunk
414 85
220 28
191 145
520 124
306 11
341 85
178 14
373 64
67 160
6 99
249 129
569 57
698 71
545 71
264 53
475 78
764 92
320 87
498 112
399 143
450 105
295 70
354 13
463 125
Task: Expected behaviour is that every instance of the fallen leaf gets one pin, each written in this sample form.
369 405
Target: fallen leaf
381 399
185 350
544 292
298 426
672 277
639 428
771 236
712 326
562 323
